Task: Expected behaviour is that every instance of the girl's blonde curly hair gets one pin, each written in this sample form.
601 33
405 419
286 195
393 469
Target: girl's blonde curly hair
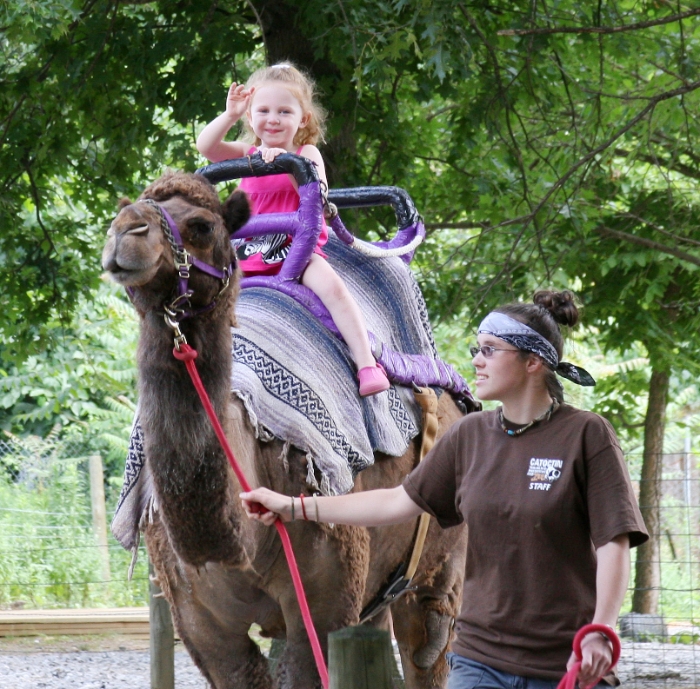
304 90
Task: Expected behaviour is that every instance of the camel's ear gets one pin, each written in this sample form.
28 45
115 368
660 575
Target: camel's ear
123 203
236 211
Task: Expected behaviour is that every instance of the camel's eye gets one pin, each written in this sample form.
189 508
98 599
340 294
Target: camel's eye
201 228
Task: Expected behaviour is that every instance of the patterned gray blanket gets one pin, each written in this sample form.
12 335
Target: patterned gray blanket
297 380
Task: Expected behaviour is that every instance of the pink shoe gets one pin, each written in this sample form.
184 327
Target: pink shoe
373 380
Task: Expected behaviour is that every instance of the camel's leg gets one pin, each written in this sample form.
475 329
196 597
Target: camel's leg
225 654
423 619
220 647
422 633
333 565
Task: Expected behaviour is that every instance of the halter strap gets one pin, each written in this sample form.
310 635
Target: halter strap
180 307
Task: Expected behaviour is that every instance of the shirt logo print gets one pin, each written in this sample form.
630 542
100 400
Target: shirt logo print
544 472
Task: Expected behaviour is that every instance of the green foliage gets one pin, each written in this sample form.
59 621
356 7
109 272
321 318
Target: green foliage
684 638
85 384
91 365
96 99
531 148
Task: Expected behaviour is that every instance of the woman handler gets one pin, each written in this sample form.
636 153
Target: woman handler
547 499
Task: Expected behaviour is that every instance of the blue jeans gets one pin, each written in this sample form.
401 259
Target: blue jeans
469 674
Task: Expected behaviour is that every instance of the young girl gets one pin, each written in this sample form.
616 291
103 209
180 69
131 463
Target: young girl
545 493
283 116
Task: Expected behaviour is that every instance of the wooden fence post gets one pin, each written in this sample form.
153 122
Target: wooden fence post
99 512
360 658
162 637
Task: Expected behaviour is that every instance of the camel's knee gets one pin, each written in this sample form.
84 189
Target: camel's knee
423 626
438 627
252 673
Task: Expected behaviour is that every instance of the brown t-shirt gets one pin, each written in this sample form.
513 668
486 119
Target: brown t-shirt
537 505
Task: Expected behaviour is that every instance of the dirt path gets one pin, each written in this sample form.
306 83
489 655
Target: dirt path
86 663
122 662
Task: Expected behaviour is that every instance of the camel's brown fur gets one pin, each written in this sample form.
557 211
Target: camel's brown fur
219 571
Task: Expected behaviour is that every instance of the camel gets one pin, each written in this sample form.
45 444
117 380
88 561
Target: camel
219 571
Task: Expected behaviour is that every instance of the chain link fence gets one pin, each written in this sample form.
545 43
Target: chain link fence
662 648
52 554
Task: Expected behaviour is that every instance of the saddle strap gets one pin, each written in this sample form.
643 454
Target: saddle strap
400 581
428 401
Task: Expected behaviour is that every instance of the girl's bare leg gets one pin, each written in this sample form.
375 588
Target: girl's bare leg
330 288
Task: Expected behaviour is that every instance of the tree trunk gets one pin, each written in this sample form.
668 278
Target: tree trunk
647 580
285 40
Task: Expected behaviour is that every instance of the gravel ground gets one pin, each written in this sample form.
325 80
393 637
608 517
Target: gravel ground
90 670
656 665
123 663
115 662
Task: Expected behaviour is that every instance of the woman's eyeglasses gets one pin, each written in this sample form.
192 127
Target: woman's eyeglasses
488 350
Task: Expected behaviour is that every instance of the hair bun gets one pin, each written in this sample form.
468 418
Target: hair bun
561 305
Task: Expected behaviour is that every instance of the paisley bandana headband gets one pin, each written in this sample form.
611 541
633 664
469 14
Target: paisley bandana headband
524 337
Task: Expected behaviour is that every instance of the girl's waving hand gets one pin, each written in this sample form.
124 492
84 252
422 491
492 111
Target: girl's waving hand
237 100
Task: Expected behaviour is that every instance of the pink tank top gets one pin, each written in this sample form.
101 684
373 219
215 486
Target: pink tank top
270 194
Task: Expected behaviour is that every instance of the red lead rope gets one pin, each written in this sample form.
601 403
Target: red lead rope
187 355
569 679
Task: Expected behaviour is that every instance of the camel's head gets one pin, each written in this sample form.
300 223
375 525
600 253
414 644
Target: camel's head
138 254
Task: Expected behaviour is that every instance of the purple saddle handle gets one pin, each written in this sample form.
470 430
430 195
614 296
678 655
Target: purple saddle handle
304 225
408 219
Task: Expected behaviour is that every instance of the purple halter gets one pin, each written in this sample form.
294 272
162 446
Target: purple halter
180 308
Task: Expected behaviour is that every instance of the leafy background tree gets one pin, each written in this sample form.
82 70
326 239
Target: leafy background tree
547 144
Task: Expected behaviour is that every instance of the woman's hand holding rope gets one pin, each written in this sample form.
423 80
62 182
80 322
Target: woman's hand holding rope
279 506
596 653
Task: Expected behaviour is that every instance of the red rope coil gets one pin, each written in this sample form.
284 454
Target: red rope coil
568 681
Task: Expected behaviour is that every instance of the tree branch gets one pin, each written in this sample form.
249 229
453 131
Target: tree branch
599 29
259 20
655 227
36 197
671 145
650 244
463 225
500 95
666 95
674 165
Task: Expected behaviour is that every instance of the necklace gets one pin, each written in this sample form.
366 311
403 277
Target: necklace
543 417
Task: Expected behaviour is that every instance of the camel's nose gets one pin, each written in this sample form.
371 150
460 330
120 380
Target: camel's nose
109 253
109 258
110 264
